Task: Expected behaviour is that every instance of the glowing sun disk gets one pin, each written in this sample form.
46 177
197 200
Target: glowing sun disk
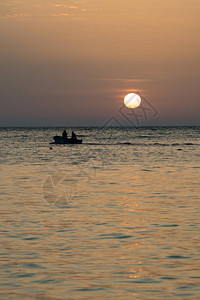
132 100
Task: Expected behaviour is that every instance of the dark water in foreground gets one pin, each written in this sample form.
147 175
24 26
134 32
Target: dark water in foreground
114 218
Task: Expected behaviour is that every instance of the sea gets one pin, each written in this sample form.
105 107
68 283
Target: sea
116 217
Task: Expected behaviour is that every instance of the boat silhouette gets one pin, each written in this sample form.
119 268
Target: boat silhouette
61 140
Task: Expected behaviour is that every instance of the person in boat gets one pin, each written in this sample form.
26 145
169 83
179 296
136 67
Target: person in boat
64 135
74 137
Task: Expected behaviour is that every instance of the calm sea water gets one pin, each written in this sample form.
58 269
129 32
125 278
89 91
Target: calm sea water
114 218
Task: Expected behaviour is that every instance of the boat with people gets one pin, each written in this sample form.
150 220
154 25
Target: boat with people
65 140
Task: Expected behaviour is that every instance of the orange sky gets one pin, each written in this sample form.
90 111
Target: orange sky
71 62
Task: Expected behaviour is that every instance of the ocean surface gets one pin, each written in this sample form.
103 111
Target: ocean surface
114 218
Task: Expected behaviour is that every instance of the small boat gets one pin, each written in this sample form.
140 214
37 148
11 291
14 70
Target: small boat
61 140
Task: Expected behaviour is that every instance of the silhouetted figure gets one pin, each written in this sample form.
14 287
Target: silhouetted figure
64 135
74 136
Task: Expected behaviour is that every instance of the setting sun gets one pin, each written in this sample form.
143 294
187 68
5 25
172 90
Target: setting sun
132 100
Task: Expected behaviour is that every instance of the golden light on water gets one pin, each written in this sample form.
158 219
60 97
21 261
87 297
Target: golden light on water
132 100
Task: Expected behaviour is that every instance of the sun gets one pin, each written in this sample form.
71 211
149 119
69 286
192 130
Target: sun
132 100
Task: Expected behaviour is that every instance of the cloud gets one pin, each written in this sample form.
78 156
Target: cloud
74 7
126 79
64 15
15 16
60 5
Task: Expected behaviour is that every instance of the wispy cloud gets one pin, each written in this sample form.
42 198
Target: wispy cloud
51 8
15 16
59 5
127 79
74 7
64 15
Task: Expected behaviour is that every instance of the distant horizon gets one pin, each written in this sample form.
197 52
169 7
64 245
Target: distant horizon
95 126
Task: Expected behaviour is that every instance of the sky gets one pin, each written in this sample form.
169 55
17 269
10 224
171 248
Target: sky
70 63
